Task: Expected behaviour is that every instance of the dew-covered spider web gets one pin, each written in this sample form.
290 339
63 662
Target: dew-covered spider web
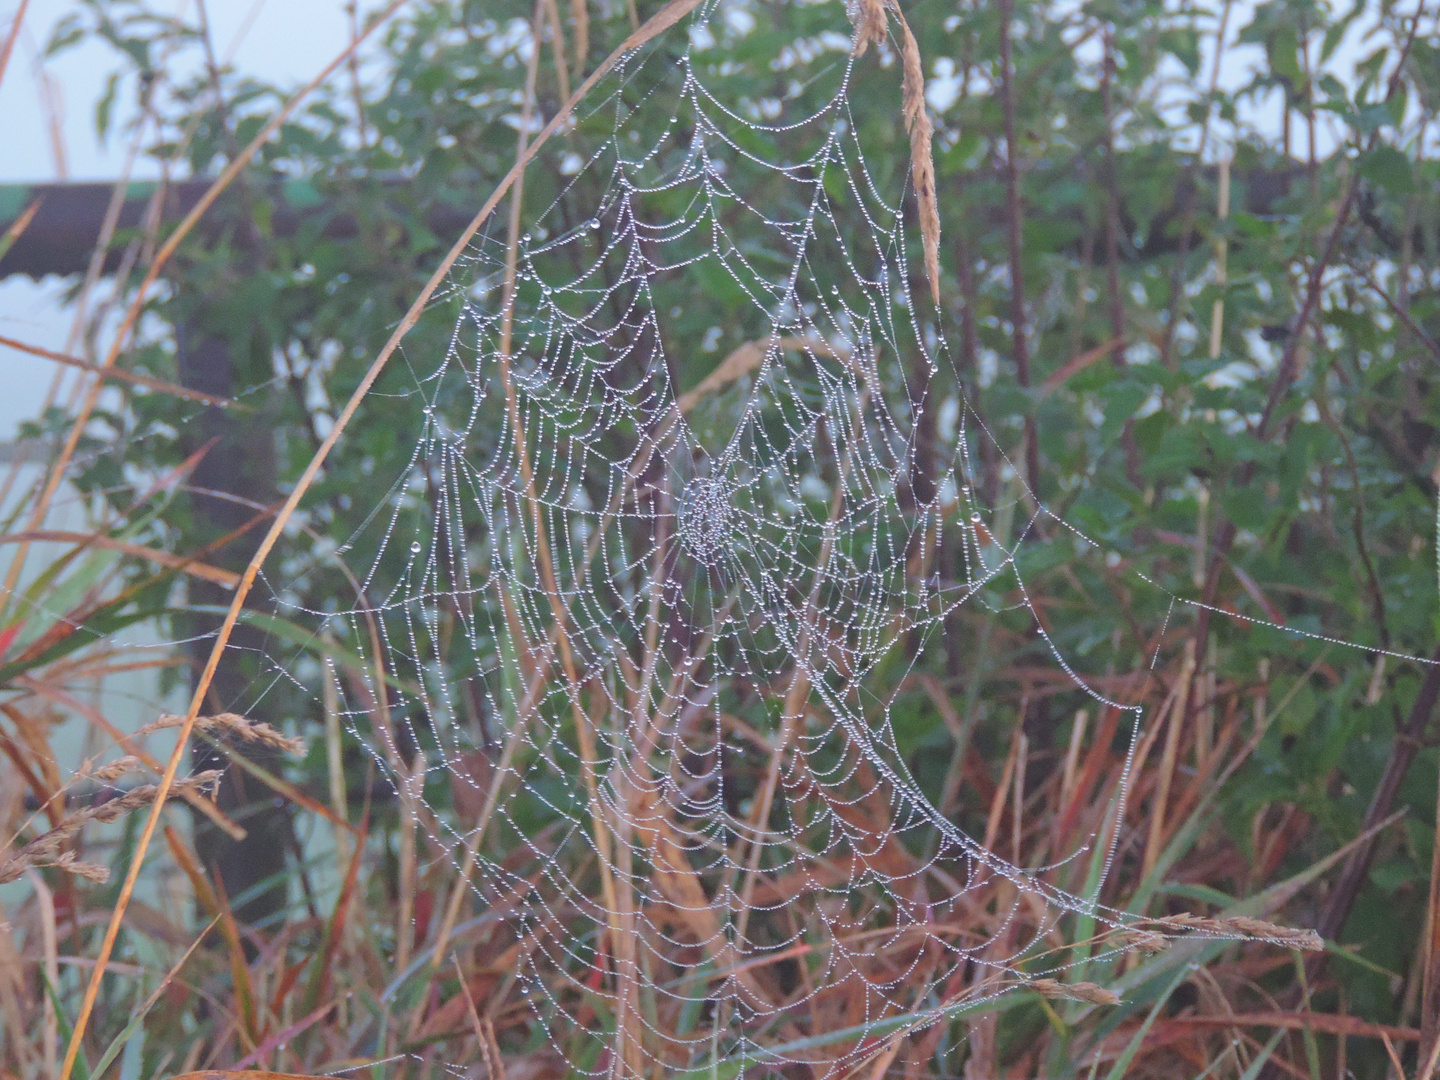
650 579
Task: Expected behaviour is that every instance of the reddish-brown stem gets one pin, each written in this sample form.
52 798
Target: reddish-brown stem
1357 867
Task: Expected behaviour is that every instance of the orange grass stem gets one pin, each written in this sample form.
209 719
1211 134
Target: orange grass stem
118 374
662 20
11 37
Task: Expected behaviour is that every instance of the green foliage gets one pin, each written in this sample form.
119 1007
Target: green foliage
1331 498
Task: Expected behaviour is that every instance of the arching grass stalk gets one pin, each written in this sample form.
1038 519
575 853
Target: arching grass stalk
661 21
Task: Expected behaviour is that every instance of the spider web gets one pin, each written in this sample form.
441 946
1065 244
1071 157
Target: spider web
650 587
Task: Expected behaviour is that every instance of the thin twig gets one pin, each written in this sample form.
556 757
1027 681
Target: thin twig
1020 346
1187 184
1398 310
1394 1057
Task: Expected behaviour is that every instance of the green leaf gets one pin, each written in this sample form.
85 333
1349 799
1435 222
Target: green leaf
1283 50
104 106
1336 31
68 32
1122 1063
1390 169
82 1067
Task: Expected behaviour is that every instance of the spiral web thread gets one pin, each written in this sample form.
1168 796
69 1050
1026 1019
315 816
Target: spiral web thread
651 586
